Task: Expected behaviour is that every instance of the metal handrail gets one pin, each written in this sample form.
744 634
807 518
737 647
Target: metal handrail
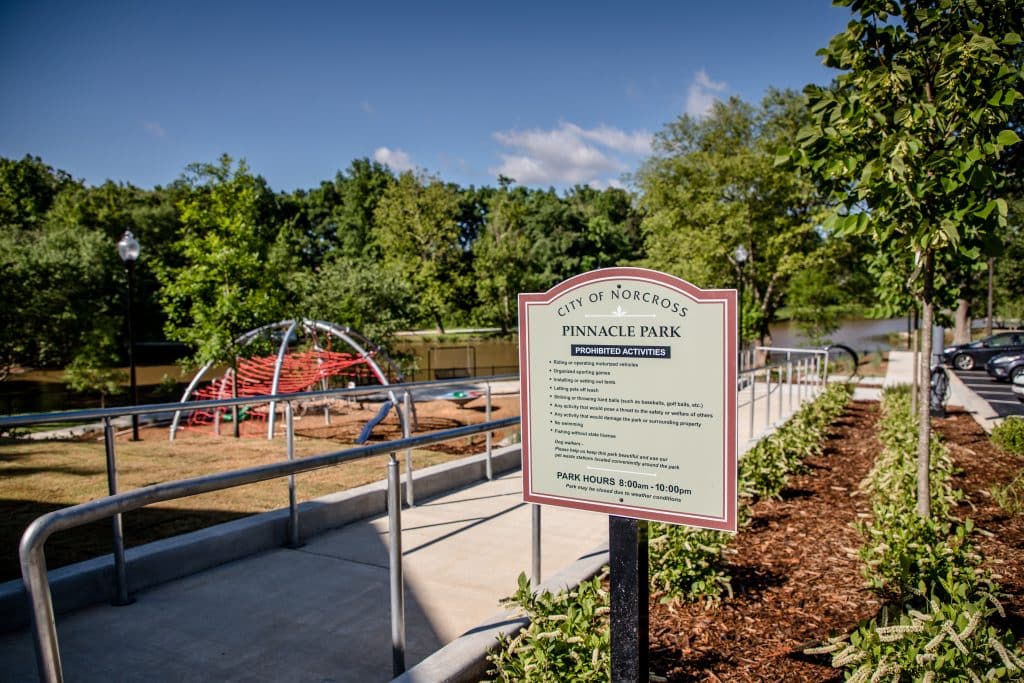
106 415
810 366
98 414
32 553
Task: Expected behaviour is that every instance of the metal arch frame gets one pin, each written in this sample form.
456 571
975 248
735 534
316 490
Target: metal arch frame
356 341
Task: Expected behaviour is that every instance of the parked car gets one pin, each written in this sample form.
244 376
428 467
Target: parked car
1005 367
977 353
1018 387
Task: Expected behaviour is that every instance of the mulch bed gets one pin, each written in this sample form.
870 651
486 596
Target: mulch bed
795 574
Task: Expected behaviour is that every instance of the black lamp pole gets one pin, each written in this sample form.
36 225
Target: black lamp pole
128 249
741 256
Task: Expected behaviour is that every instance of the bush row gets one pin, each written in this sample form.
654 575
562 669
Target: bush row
938 600
567 639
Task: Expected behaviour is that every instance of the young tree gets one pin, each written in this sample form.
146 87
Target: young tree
909 137
94 368
229 265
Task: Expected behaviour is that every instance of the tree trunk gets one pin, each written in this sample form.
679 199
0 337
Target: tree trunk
915 350
962 328
924 500
989 306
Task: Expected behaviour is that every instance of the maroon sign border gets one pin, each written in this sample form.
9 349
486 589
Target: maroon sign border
725 297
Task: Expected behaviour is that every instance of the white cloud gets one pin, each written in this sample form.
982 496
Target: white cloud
702 94
637 142
398 160
154 129
569 154
366 107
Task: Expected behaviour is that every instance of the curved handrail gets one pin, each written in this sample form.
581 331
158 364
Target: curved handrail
31 549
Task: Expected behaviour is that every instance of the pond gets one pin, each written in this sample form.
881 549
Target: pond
858 333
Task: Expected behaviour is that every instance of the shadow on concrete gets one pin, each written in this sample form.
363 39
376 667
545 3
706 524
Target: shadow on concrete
95 539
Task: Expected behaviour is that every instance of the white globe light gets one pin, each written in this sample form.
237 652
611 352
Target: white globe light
128 248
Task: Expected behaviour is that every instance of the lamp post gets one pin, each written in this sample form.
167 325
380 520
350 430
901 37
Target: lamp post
741 254
128 249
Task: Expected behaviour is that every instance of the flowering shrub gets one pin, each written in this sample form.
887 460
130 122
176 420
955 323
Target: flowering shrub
935 625
567 640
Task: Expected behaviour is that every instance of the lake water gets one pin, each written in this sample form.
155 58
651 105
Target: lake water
859 334
44 391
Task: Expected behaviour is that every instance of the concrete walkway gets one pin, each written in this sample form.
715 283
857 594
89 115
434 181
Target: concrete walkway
321 612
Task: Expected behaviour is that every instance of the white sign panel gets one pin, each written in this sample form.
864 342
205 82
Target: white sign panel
629 397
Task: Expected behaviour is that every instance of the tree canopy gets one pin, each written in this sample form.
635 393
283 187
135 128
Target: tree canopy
713 186
909 139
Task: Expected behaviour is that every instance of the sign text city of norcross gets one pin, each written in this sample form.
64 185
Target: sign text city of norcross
629 397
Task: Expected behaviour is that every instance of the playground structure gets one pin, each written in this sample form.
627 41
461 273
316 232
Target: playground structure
290 372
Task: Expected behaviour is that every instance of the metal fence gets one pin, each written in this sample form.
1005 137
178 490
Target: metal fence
773 389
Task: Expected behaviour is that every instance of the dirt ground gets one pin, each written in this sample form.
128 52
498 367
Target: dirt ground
794 578
37 477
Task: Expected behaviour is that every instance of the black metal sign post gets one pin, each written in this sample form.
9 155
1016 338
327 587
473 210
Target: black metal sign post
627 546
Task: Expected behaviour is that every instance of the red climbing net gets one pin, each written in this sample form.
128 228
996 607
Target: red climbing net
300 371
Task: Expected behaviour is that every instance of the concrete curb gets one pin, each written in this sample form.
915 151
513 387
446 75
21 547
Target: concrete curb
92 582
962 395
465 658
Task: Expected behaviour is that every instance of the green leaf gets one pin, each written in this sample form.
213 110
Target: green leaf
1007 137
986 210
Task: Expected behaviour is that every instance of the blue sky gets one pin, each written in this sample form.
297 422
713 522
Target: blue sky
549 93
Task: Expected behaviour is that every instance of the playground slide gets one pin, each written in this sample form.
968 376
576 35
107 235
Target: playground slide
368 427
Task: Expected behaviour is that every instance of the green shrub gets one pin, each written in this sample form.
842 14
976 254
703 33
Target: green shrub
764 470
1010 497
688 564
1009 435
909 557
568 638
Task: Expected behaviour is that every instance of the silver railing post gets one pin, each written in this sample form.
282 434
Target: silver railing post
767 397
800 382
293 506
395 569
44 628
487 418
324 386
753 398
410 496
120 568
535 543
781 377
789 378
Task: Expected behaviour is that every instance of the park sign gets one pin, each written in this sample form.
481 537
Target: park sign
629 397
